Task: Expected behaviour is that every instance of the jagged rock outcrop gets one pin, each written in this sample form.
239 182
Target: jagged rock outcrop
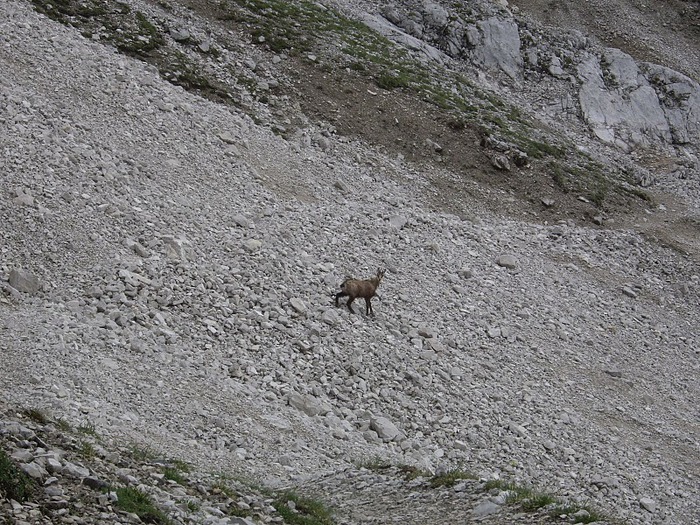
630 104
618 103
624 103
492 43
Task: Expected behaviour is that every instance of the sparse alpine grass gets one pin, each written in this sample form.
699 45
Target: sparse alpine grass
299 510
88 429
130 499
14 483
175 475
36 415
63 425
87 450
531 500
451 478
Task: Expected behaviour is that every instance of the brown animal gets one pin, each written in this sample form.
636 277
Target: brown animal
354 288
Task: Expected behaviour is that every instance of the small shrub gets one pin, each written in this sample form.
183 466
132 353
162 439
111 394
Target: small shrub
14 483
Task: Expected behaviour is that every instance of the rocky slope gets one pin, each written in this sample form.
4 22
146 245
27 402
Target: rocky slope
168 264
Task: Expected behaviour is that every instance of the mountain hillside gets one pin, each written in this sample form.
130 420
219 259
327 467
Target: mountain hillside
186 184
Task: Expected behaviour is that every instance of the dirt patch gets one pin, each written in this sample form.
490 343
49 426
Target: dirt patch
449 152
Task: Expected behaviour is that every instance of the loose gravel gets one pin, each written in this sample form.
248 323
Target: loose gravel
169 266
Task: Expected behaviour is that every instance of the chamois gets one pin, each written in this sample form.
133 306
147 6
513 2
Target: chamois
354 288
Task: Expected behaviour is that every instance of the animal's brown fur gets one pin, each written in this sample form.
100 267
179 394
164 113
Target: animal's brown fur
354 288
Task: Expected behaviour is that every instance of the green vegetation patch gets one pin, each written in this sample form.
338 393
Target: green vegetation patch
175 475
531 500
63 425
87 450
131 32
451 478
88 429
14 482
130 499
298 510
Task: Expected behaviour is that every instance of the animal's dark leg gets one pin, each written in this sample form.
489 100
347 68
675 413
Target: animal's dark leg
368 306
350 304
338 296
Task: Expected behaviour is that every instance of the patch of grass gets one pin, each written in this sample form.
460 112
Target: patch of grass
87 450
451 478
130 499
63 425
142 454
192 505
537 150
130 32
290 27
235 510
174 475
178 69
531 500
225 489
36 415
537 500
298 510
392 80
637 192
573 512
88 429
14 483
182 466
560 179
598 195
374 464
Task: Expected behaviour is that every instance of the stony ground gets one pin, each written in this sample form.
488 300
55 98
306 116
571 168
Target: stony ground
168 265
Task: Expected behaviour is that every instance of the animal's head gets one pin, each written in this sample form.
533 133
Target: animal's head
380 275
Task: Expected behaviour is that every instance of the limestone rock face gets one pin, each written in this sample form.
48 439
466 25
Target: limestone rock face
496 46
625 103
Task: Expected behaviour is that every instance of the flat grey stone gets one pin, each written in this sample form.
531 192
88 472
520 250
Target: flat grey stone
24 281
507 261
485 508
384 428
